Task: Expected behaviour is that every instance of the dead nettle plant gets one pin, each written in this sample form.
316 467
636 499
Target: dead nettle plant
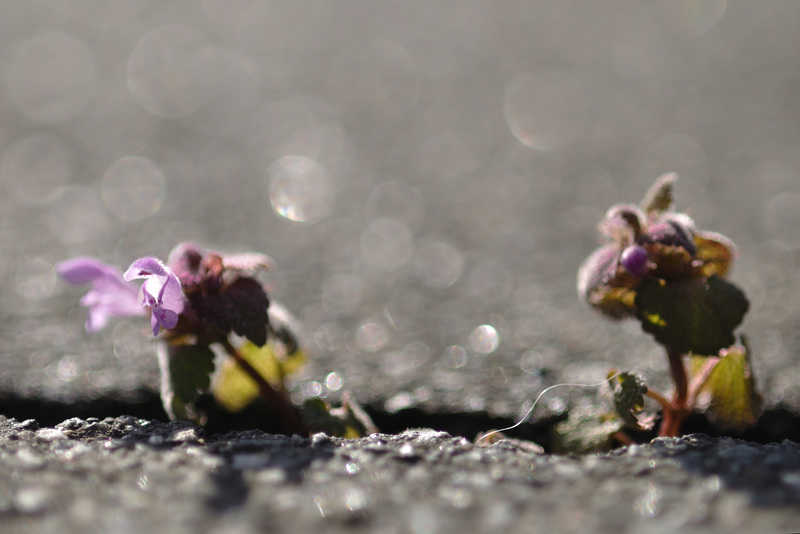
205 307
655 266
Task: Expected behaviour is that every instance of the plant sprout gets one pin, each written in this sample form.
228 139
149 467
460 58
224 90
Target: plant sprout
657 267
200 300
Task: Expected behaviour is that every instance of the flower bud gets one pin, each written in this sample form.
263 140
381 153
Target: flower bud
634 259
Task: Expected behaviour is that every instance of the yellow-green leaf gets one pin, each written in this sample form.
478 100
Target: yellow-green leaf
234 389
716 252
616 302
729 396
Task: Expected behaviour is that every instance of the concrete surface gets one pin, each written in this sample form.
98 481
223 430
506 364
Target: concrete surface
132 475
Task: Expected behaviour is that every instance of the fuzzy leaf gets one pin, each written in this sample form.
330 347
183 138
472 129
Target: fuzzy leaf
659 197
694 315
190 368
616 302
628 391
234 389
715 251
729 396
602 285
241 307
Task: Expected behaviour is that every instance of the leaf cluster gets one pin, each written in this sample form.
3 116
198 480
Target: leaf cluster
660 269
628 391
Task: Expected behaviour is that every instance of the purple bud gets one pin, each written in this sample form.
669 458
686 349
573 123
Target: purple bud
635 260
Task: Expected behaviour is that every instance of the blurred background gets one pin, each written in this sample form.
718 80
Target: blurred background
427 175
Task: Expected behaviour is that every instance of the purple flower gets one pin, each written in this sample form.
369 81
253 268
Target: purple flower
210 293
649 241
222 292
161 291
110 295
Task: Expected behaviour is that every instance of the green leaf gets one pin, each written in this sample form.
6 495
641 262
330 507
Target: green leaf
728 395
234 389
696 315
190 368
628 392
271 361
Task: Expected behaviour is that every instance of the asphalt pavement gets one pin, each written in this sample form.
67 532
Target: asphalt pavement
427 176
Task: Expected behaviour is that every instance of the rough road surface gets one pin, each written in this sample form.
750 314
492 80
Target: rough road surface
131 475
427 175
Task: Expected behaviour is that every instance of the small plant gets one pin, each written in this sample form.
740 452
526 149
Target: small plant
658 268
200 301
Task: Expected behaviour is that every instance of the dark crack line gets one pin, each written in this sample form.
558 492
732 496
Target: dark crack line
775 425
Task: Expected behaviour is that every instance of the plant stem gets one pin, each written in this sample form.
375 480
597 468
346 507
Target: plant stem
279 404
677 411
679 376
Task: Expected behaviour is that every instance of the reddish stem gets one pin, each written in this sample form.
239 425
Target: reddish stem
279 404
679 376
678 410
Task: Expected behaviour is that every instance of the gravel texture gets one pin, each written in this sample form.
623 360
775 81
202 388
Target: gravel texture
133 475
